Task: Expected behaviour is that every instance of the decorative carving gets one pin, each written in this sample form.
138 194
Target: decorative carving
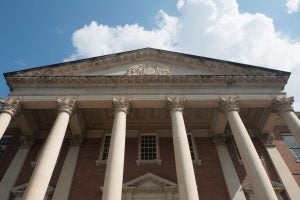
229 104
282 104
27 141
121 104
268 139
148 69
178 81
175 103
11 105
220 139
76 140
66 104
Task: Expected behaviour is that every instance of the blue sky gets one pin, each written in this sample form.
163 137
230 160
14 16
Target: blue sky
40 32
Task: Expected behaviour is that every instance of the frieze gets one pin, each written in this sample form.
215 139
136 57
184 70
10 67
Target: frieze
146 81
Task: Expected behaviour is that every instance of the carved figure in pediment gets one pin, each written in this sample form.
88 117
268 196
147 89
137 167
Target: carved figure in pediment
148 69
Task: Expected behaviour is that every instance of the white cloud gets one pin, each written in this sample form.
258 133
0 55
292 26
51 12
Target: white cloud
212 28
292 5
98 39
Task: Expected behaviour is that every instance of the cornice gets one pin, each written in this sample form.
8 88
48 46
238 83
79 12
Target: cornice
148 81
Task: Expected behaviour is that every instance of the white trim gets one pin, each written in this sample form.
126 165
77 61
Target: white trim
196 155
155 161
100 160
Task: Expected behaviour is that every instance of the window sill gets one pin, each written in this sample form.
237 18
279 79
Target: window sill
197 161
101 162
156 161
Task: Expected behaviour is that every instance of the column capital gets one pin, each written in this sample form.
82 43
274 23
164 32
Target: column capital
229 104
76 140
268 139
11 105
27 141
219 139
175 103
121 104
282 104
66 104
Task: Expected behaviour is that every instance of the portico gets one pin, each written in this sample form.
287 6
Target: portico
147 91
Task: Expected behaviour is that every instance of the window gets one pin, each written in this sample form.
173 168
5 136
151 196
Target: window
190 140
5 140
104 150
148 149
106 147
193 149
293 145
236 151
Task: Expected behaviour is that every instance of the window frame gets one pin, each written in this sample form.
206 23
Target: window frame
3 147
100 160
154 161
196 159
297 158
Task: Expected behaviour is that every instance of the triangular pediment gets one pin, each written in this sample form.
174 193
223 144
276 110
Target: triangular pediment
146 61
148 181
19 190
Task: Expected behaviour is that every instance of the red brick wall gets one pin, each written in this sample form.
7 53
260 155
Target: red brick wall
286 153
88 177
10 151
209 175
27 169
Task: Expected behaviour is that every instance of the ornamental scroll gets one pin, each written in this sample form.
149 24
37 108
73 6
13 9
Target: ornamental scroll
148 69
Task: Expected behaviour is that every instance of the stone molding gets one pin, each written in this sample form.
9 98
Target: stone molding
124 58
27 141
121 104
282 104
76 140
268 139
220 139
175 103
229 104
147 81
66 104
11 105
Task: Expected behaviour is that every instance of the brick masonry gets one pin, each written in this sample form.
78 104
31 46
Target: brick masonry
88 177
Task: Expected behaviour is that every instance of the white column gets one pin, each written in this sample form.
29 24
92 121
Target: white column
232 181
64 183
291 187
261 184
43 170
184 164
283 106
14 169
114 170
10 108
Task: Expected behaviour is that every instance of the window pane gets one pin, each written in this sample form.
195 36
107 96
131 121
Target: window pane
190 140
106 147
148 147
293 145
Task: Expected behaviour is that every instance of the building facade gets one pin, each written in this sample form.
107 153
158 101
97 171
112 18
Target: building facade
149 124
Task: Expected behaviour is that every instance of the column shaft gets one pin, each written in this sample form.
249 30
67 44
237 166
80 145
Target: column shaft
291 186
293 123
260 180
114 170
64 183
4 122
43 170
232 181
12 173
184 165
10 107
